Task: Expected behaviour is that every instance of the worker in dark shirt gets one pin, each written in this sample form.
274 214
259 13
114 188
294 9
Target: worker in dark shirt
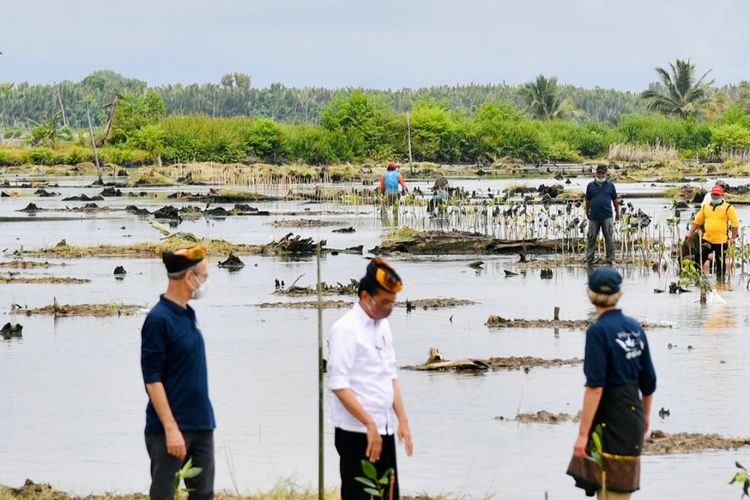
179 417
620 383
601 195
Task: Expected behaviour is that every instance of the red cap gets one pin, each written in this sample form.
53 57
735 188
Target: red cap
393 164
717 190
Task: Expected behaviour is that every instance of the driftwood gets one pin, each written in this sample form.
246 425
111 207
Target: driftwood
461 243
437 362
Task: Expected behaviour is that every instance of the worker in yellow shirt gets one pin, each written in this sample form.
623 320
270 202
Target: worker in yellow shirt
717 216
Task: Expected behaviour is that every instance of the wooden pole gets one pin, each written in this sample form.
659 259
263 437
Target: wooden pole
321 481
93 145
408 136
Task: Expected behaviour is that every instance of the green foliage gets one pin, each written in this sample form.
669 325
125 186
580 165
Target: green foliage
679 93
544 101
728 137
186 472
651 130
134 112
741 477
374 486
435 133
366 122
263 139
45 133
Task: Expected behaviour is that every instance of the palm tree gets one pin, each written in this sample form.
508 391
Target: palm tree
543 99
683 96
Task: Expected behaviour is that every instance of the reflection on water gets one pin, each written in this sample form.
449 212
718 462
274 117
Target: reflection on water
72 401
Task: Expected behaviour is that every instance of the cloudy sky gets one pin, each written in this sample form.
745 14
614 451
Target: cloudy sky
375 44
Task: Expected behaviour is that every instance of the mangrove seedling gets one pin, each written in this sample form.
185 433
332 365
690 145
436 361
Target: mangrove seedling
691 274
374 486
596 455
187 472
741 477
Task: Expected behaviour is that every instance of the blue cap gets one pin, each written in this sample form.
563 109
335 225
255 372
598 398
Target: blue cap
605 280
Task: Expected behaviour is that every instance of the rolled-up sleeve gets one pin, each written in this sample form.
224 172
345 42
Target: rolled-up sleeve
341 357
595 359
153 350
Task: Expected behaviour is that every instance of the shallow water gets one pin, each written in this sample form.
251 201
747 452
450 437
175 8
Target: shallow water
72 399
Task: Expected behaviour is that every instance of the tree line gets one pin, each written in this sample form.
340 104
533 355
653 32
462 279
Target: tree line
536 122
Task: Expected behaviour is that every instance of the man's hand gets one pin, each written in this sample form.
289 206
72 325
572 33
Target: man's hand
176 443
579 449
404 436
374 443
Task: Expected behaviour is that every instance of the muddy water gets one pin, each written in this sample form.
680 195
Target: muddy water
72 400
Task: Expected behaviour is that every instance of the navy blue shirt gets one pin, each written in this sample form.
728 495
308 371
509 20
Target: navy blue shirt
617 353
173 353
600 198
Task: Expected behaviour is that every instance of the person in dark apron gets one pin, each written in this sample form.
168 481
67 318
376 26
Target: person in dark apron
620 383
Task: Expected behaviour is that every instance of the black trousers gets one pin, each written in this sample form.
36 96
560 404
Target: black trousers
200 447
720 254
352 447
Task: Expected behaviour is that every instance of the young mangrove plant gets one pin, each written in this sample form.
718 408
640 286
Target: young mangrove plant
741 477
596 455
374 486
186 472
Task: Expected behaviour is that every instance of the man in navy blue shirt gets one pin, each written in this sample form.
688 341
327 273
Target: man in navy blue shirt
179 417
600 196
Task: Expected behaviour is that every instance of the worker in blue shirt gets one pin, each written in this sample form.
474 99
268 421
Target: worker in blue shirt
179 416
601 195
390 183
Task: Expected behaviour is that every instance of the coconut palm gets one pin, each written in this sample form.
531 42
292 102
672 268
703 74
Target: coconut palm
543 99
681 94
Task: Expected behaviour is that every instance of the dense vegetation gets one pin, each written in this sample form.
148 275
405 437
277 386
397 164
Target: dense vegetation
232 122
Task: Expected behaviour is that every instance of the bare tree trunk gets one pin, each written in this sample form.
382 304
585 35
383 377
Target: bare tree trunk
93 145
110 118
62 107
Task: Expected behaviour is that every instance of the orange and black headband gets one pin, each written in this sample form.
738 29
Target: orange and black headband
384 275
179 262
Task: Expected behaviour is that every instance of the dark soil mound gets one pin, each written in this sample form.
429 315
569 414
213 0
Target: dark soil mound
45 194
132 209
12 330
110 192
168 212
83 197
233 263
30 208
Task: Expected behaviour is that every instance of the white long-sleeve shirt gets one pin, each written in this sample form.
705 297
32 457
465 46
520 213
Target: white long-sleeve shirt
361 358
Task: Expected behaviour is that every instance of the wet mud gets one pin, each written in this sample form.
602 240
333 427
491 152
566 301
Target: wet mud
437 362
664 443
16 279
63 310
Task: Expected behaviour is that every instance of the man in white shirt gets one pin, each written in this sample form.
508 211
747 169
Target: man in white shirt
362 375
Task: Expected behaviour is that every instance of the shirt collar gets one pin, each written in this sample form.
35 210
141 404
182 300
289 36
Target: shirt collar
362 316
176 308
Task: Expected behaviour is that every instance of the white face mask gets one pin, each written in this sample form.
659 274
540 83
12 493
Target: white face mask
200 291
